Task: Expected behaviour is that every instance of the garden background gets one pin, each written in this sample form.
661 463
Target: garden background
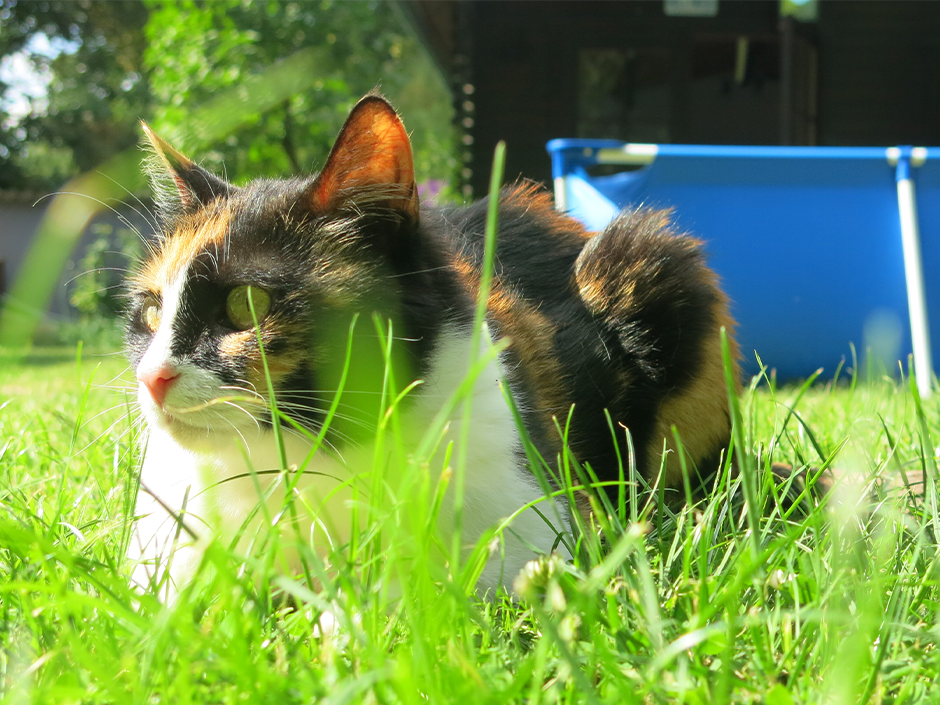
740 598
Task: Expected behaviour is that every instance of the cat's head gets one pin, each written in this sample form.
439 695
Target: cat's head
256 285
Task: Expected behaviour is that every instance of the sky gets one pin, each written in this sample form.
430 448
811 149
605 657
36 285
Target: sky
27 82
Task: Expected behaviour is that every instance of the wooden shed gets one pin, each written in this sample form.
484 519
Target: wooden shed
796 72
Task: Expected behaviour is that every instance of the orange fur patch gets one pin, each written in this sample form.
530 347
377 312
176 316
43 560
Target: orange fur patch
537 202
531 334
279 365
235 344
194 235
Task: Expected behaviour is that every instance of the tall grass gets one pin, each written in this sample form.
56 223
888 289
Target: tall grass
743 597
834 603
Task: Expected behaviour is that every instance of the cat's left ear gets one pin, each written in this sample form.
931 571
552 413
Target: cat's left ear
370 164
195 187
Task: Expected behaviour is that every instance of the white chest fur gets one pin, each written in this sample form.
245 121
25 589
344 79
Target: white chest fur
233 484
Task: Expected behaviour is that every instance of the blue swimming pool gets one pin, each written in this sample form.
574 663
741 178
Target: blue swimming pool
808 240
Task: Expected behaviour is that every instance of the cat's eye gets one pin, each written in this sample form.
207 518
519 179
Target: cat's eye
151 313
238 310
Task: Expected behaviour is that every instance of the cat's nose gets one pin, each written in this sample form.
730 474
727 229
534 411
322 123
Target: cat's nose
158 381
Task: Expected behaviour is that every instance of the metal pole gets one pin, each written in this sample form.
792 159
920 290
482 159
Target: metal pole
914 272
561 193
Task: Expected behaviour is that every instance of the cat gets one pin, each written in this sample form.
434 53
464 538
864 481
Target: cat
623 322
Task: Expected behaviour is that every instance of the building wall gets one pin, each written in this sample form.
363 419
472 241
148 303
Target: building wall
19 221
879 73
865 73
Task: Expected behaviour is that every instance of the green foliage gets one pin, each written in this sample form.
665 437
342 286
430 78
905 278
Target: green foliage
222 81
98 89
96 291
197 49
99 333
123 61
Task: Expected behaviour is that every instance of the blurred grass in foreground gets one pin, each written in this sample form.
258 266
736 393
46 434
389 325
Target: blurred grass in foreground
839 605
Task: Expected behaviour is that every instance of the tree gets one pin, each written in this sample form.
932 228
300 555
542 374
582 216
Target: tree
127 60
97 90
195 50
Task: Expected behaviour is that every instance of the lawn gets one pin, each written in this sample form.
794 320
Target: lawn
835 603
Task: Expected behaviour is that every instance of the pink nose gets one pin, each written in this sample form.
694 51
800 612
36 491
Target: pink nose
158 381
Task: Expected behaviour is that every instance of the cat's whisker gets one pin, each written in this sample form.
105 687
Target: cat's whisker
376 336
330 446
339 435
107 432
316 430
95 270
245 444
100 289
246 412
419 271
246 383
109 410
300 391
124 414
344 435
251 392
117 383
369 426
123 270
216 401
150 218
116 353
117 389
313 428
100 202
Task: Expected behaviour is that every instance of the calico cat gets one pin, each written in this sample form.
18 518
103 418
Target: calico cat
625 321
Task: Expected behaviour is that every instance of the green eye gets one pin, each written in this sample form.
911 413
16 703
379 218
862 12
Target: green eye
238 310
151 314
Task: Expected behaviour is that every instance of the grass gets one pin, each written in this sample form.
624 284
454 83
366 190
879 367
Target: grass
837 605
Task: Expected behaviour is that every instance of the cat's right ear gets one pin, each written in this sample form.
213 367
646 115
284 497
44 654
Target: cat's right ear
194 187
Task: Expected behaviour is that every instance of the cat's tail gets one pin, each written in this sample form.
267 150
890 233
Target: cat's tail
650 287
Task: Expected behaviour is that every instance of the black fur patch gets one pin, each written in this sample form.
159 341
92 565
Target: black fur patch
641 341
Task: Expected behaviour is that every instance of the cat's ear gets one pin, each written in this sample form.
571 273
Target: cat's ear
370 164
195 186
